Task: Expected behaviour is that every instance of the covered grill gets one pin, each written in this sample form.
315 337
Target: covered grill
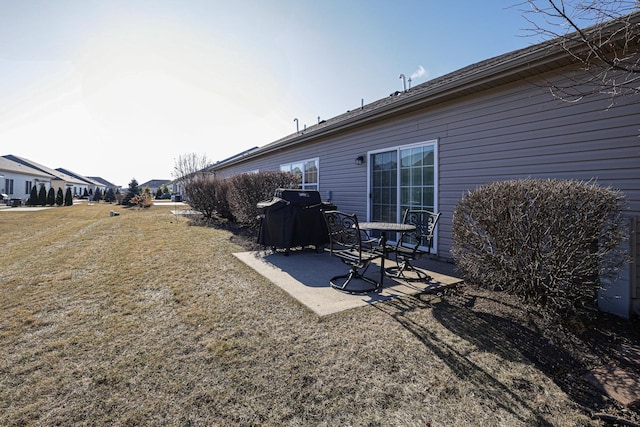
293 218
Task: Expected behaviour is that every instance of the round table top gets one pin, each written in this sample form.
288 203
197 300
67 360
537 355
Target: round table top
386 226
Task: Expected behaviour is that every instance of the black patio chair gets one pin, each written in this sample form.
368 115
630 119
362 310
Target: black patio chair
413 244
354 248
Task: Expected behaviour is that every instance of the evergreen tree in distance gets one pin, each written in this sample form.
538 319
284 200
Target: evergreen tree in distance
51 197
33 197
59 197
97 195
68 198
42 196
133 191
109 196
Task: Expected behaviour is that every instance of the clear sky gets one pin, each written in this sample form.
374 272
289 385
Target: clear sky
121 88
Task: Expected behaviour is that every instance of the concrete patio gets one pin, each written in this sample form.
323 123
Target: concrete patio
305 274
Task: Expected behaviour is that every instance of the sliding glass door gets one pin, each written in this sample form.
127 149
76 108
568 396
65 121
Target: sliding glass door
402 178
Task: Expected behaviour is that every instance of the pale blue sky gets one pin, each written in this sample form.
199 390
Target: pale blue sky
121 88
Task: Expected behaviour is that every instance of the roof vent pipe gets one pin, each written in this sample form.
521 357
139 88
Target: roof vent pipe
297 127
318 120
409 83
362 103
404 82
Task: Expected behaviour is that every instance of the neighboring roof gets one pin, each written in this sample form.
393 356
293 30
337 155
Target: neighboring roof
235 156
86 179
9 165
55 174
155 183
510 67
103 181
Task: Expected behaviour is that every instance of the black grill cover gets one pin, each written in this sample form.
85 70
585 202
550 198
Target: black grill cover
293 218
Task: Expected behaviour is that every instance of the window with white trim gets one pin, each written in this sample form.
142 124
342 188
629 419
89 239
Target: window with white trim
306 170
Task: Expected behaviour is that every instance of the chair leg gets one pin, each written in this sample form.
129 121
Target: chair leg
354 274
405 266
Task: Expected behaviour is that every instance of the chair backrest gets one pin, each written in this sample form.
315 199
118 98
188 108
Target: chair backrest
425 222
344 231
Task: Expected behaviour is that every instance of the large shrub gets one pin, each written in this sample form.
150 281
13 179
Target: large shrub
546 241
248 189
208 195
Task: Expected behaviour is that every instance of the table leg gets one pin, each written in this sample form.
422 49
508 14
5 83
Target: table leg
383 243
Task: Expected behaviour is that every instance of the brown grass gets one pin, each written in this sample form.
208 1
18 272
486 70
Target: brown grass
143 319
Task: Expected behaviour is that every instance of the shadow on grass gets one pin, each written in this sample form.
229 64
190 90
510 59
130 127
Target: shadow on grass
502 336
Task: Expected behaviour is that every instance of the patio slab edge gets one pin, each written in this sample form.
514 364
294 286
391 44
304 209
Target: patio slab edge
305 276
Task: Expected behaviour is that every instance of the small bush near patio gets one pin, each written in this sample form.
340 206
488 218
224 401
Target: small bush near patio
545 241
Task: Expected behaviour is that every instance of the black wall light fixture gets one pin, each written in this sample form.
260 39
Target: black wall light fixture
359 160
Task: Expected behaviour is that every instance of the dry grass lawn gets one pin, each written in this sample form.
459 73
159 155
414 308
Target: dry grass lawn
144 319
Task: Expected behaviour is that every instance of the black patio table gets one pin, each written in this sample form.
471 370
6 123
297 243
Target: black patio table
385 227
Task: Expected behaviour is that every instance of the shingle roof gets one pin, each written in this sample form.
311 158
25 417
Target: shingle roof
56 175
9 165
512 66
155 183
85 179
103 181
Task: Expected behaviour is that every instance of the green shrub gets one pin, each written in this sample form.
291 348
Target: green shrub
68 198
33 197
546 241
51 196
248 189
59 197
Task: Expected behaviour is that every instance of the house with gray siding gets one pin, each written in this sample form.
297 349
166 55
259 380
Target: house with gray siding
493 120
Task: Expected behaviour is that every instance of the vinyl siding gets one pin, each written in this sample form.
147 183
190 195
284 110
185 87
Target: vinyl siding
514 131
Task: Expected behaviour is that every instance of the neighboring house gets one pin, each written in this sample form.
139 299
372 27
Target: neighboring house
494 120
107 184
58 179
154 185
17 179
91 184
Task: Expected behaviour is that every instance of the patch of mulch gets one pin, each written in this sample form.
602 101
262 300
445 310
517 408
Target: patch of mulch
572 355
595 360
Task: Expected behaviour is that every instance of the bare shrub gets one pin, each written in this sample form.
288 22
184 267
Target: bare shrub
248 189
207 194
546 241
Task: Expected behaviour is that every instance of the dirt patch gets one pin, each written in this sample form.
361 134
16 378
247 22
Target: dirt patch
569 354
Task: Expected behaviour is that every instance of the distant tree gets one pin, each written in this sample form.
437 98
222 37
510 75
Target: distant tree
188 167
42 196
159 193
68 197
119 196
51 197
109 196
602 36
33 197
85 193
59 197
133 191
97 195
165 189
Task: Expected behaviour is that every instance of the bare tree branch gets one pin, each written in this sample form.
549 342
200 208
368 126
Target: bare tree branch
188 167
602 36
